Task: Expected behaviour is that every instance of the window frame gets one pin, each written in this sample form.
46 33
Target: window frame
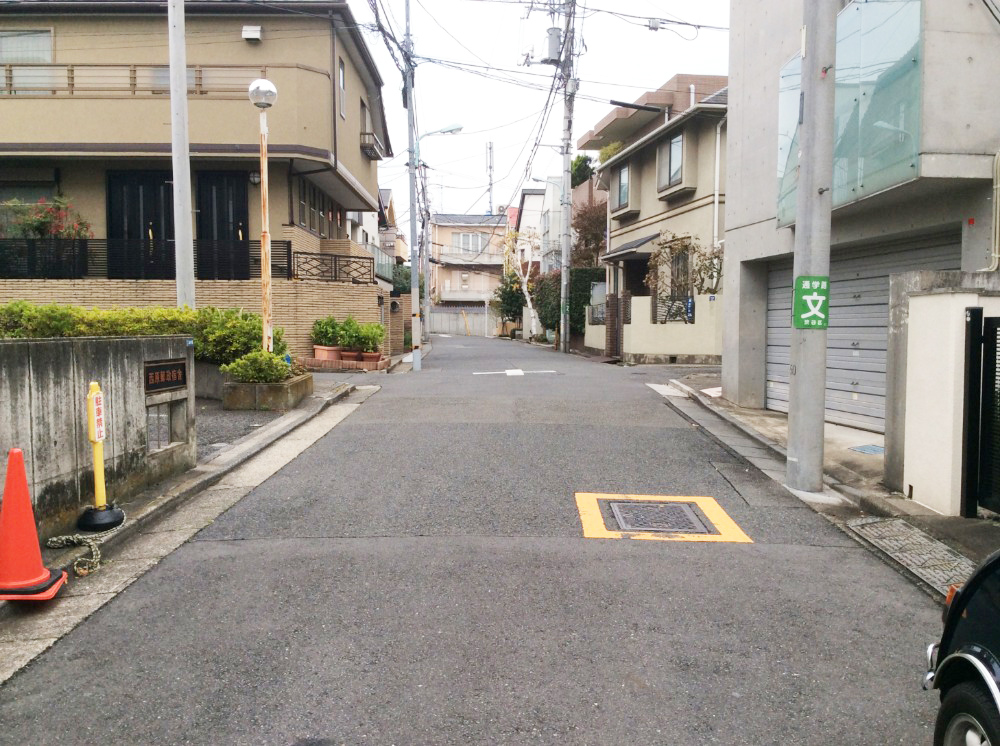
342 79
619 171
26 31
673 180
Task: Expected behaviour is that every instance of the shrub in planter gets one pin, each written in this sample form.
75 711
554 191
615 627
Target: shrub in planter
371 336
350 339
259 366
326 339
223 336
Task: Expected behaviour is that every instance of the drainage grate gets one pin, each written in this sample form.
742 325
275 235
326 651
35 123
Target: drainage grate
936 564
647 516
872 450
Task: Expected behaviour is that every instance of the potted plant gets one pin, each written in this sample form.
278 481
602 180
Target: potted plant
350 339
371 339
325 339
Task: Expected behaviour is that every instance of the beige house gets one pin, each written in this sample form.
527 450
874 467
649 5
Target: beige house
667 180
88 117
467 257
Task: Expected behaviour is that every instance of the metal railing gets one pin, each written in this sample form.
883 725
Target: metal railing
122 79
384 262
667 308
596 314
372 146
333 267
135 259
43 258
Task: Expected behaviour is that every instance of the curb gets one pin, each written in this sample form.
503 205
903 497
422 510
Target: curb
872 504
175 492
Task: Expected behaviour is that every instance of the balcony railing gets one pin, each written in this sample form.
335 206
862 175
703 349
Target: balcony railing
333 267
122 79
372 146
459 256
384 262
135 259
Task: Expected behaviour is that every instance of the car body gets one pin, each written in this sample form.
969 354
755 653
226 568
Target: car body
965 664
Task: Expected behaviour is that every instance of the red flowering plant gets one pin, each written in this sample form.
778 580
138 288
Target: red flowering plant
45 219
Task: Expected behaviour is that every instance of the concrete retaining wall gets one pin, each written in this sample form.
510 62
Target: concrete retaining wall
43 390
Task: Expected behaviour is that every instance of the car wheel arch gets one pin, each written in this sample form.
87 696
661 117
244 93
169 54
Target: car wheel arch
963 666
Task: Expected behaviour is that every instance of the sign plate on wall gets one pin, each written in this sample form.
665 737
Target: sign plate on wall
811 302
165 375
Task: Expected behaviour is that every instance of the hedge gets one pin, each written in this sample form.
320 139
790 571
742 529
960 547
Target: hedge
220 335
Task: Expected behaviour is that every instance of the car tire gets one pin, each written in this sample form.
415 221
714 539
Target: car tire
967 707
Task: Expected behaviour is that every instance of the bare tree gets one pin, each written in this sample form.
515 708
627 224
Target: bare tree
516 248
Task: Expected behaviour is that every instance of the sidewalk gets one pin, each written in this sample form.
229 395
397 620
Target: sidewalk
252 432
893 524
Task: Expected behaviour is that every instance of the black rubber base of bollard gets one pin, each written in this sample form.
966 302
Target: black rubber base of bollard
101 520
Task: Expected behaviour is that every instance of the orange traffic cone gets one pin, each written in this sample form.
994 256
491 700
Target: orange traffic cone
23 577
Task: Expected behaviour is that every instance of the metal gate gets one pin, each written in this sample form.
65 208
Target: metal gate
859 317
981 454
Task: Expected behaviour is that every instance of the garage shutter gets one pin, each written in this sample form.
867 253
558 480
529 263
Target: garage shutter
859 320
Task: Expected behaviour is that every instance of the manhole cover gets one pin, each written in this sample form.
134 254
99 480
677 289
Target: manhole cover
670 517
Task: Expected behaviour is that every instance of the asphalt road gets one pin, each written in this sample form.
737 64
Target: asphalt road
420 576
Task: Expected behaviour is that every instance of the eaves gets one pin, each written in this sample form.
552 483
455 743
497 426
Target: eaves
662 130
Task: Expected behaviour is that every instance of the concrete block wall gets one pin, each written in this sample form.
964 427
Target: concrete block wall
296 304
43 390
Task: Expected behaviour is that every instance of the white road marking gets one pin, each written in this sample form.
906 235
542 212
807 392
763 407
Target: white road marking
489 373
714 393
515 372
666 390
511 372
446 336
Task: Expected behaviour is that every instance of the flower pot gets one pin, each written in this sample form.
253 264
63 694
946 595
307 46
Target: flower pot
354 355
321 352
371 357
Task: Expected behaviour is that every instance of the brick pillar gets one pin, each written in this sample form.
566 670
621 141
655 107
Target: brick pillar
611 326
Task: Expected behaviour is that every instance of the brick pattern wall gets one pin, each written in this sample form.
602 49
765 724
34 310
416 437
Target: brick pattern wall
342 246
302 240
396 324
611 326
296 304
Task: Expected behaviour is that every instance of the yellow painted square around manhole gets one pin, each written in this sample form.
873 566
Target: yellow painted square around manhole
594 526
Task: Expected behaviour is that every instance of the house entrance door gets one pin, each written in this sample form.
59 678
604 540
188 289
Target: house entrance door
223 232
140 225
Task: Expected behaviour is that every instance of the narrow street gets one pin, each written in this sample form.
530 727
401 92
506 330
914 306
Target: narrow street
420 575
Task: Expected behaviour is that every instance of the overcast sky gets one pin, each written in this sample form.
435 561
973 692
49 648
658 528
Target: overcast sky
622 60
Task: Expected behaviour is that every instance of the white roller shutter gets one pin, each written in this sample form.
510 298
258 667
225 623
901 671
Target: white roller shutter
859 320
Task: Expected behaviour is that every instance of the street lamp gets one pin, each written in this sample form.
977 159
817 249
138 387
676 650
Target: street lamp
416 332
263 94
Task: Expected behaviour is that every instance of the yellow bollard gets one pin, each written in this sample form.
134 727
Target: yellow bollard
100 517
95 434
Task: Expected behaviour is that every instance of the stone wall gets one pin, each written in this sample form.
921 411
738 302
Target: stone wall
296 304
43 394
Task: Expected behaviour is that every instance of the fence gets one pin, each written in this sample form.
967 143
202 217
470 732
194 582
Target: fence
596 314
468 320
329 267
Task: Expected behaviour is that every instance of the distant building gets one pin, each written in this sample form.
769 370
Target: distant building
467 257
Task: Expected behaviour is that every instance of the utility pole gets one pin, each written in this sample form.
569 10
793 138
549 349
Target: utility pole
569 95
810 302
181 157
489 166
425 218
415 332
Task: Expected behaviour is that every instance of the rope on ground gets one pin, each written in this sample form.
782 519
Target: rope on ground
84 566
